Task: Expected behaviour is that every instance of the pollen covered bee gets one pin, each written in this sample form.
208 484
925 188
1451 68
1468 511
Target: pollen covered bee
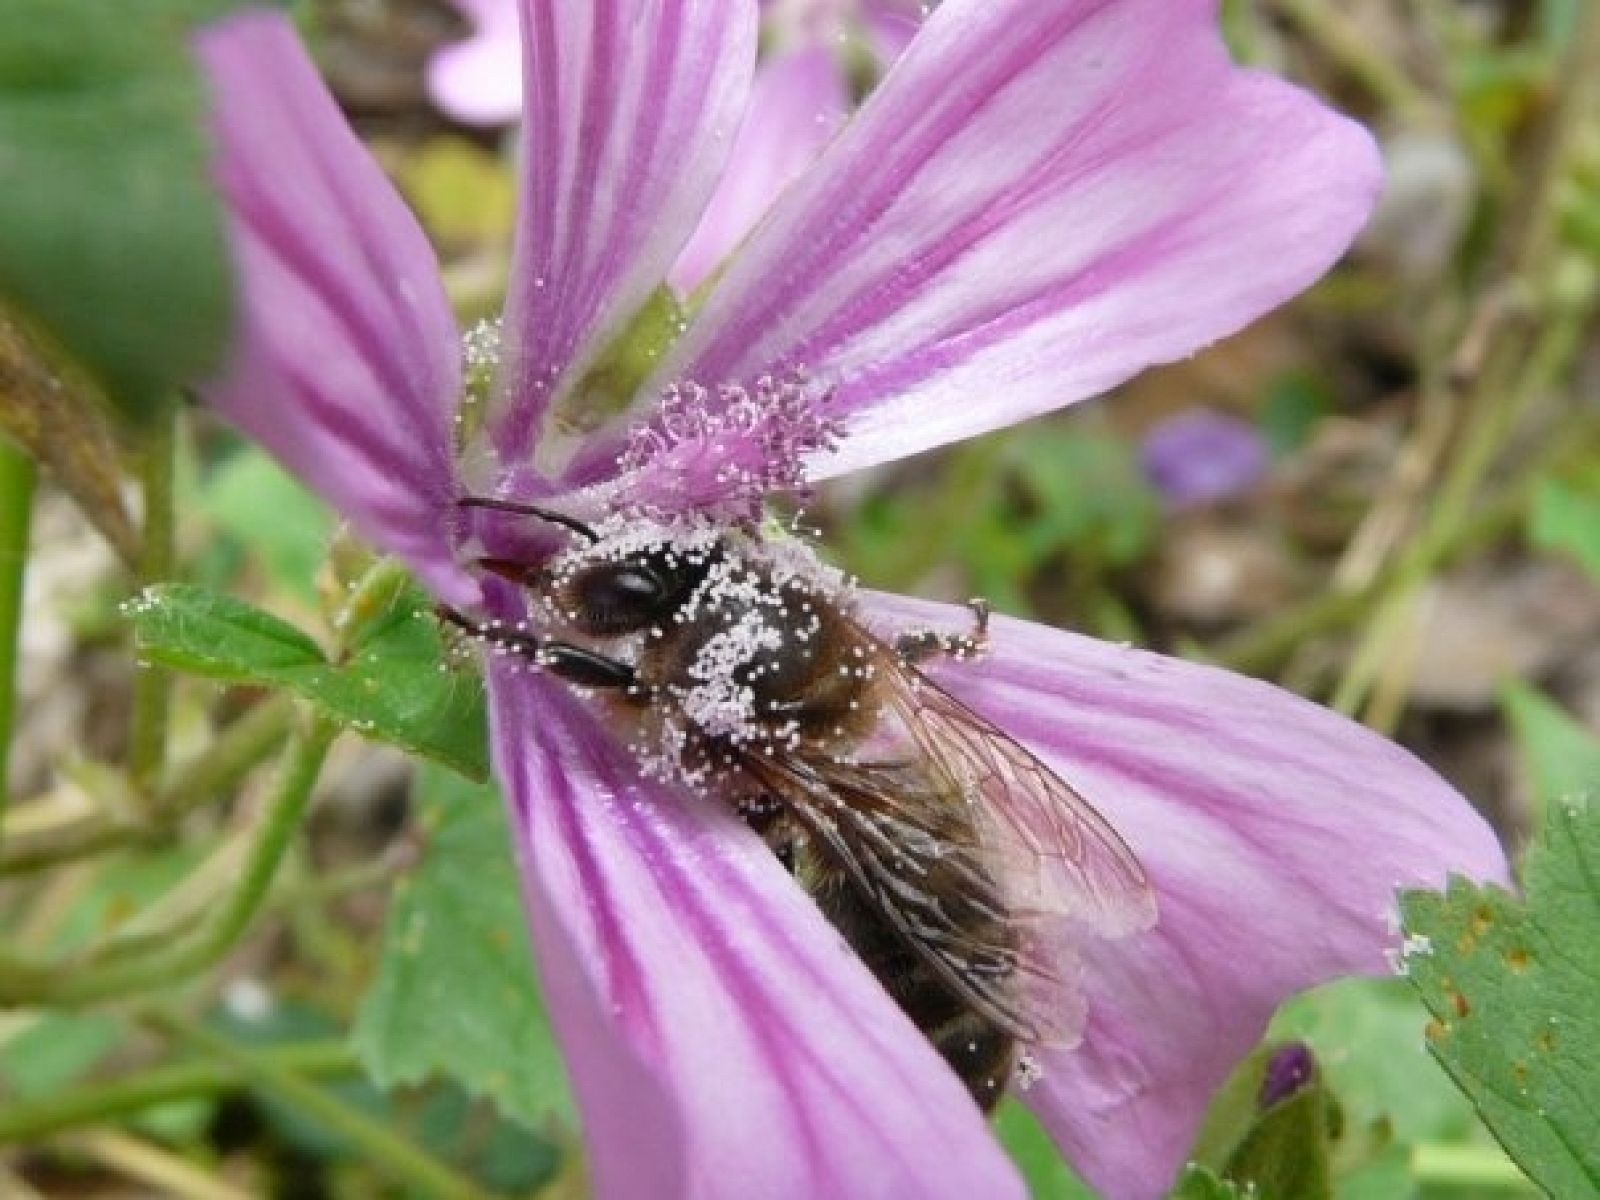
958 866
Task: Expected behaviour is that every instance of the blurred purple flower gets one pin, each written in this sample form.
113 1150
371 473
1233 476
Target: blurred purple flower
479 80
1201 456
1044 197
800 98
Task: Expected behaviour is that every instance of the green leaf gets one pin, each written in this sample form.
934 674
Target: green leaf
111 236
204 633
1090 498
391 686
1511 984
1294 406
444 1119
1562 755
456 994
1047 1173
40 1055
251 497
1567 520
1364 1033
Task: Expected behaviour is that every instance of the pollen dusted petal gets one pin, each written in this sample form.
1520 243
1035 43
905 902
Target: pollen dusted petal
722 1040
1041 199
345 362
1275 833
630 110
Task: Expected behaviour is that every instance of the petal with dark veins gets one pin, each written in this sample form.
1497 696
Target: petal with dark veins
1275 833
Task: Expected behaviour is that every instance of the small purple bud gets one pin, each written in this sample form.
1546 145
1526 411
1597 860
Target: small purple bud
1290 1071
1200 456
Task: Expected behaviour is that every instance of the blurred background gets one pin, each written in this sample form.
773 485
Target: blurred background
1385 496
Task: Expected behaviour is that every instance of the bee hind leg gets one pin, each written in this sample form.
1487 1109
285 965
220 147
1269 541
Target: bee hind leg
916 646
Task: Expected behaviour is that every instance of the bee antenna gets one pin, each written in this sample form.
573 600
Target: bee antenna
531 510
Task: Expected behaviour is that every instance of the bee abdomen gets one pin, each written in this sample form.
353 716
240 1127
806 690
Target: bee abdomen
980 1052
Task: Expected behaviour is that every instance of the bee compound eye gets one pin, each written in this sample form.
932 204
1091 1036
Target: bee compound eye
622 597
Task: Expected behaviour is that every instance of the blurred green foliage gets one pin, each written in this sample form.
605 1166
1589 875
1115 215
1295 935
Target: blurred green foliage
110 243
111 237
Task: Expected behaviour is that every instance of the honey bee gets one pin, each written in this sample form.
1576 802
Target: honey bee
959 867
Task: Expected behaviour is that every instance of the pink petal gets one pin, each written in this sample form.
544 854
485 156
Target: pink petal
1043 198
631 109
346 362
479 81
722 1040
800 99
1275 833
891 24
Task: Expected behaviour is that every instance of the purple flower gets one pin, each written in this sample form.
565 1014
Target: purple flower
800 98
1200 456
1044 197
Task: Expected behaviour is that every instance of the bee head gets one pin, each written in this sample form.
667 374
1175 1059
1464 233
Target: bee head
614 597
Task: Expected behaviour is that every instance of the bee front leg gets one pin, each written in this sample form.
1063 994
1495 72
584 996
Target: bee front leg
916 646
575 664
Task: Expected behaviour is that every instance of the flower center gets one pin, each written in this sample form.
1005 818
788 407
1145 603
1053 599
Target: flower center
721 453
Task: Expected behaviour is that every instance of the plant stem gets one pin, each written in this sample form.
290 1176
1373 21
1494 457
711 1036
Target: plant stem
163 1171
237 750
1467 1166
110 1099
379 1145
1509 385
1261 650
17 477
1349 47
175 962
152 685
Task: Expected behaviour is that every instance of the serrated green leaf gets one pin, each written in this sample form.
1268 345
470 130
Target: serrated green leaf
1511 985
391 686
1567 520
204 633
456 994
111 235
394 686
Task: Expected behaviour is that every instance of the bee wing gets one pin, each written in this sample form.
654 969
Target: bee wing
887 826
1060 857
